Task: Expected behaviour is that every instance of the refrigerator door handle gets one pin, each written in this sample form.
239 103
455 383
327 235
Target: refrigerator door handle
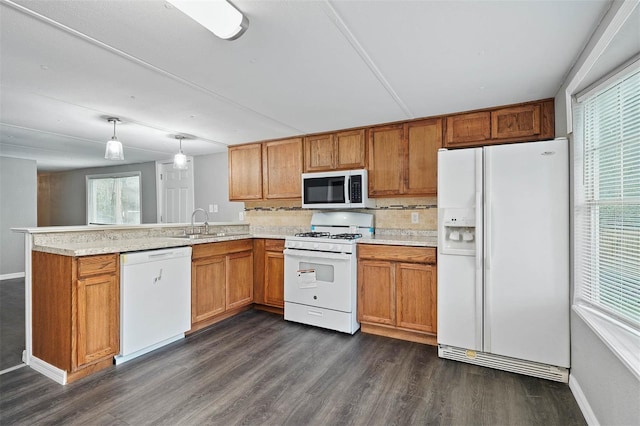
479 275
487 250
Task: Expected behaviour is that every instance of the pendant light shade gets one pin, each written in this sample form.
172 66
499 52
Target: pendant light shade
180 160
114 149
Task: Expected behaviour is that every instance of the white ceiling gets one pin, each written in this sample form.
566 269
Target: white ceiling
301 67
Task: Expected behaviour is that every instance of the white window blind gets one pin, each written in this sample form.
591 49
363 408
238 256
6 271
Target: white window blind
607 201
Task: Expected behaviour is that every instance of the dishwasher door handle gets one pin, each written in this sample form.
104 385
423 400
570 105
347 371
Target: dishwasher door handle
161 255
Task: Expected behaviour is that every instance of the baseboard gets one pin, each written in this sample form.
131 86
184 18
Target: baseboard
15 367
11 276
582 401
44 368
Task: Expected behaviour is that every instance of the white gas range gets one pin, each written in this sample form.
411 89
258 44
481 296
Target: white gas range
320 271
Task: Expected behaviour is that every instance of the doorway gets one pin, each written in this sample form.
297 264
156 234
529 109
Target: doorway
175 192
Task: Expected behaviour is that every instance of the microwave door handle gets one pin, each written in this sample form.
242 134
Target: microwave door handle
348 191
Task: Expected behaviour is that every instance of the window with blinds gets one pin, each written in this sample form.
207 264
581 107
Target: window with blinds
607 200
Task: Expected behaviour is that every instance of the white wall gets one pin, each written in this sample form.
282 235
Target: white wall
18 209
607 387
211 186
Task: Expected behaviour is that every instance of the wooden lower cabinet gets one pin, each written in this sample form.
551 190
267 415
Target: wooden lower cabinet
75 311
221 281
269 274
397 292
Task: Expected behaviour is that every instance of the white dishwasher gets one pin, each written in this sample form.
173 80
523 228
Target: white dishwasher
155 300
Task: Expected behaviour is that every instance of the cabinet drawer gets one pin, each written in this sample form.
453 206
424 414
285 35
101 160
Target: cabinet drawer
222 248
397 253
92 265
274 245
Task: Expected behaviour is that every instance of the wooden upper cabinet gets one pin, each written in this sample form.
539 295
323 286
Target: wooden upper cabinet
403 158
516 122
529 121
350 149
424 139
472 127
335 151
245 172
282 165
386 160
319 153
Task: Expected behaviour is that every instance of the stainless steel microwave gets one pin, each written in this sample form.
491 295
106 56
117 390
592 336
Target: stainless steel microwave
335 190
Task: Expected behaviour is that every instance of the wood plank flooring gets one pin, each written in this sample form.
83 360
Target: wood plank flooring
257 369
12 326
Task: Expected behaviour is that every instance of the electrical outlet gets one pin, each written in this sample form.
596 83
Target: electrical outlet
215 208
415 217
210 208
241 216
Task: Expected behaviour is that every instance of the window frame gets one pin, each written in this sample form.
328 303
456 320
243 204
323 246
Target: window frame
117 175
621 335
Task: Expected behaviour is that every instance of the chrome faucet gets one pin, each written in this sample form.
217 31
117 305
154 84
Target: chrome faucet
206 219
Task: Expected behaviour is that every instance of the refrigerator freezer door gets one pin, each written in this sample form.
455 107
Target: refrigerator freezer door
527 252
460 276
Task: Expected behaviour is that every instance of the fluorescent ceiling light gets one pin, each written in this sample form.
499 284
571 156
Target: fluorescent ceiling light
218 16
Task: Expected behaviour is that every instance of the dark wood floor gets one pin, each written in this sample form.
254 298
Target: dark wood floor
12 340
258 369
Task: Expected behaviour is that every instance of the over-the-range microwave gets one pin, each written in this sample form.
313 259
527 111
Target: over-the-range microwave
345 189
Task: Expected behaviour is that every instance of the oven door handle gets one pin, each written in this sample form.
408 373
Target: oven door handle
316 254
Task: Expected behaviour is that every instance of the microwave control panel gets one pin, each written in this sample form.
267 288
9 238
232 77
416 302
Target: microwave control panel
355 189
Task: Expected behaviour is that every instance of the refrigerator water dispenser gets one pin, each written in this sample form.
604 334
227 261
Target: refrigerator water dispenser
458 231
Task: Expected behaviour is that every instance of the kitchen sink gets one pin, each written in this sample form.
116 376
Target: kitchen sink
212 235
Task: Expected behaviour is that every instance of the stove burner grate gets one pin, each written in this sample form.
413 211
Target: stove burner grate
346 236
313 234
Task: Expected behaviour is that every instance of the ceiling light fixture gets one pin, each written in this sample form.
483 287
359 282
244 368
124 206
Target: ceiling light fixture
114 146
180 160
218 16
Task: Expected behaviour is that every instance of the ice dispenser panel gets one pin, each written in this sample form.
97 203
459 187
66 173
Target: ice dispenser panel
458 228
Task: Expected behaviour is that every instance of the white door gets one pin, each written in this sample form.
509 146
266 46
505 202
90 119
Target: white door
527 251
460 276
174 192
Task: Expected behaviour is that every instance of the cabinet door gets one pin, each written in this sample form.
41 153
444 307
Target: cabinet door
274 279
376 292
245 172
386 160
98 318
516 122
468 129
319 153
416 296
424 139
350 150
207 288
282 165
239 279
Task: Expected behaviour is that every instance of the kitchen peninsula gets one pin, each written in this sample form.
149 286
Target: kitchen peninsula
73 330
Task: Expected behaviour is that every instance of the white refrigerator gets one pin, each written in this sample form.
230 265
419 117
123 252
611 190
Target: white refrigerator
503 257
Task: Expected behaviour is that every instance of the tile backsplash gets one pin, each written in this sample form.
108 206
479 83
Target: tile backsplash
389 213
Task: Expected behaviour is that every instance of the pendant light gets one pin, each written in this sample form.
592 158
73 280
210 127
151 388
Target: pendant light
114 146
180 160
